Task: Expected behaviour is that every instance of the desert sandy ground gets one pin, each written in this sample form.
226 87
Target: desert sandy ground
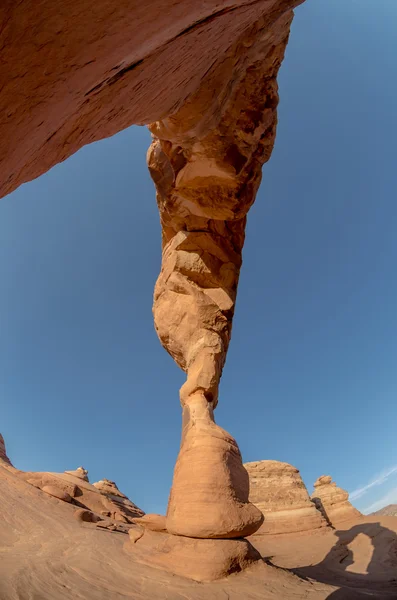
45 554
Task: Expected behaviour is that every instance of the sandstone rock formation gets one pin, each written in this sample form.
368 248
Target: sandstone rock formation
80 473
57 492
209 495
203 75
106 486
277 489
103 500
3 454
333 501
387 511
154 522
198 559
207 175
79 71
82 515
207 171
123 504
46 553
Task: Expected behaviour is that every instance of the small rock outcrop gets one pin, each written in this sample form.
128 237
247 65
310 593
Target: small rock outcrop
57 492
80 473
103 499
333 502
107 486
3 454
110 490
277 489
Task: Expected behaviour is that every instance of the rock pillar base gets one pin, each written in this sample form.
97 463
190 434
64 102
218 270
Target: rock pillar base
197 559
208 515
209 494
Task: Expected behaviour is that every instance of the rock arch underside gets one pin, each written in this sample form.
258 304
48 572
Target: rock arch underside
203 77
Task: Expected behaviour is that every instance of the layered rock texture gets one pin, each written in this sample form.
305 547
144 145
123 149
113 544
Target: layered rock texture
277 489
103 500
207 169
387 511
333 502
47 554
122 503
209 495
3 454
80 70
206 161
198 559
203 76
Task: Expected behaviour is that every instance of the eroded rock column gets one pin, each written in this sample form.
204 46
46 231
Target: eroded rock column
333 502
206 163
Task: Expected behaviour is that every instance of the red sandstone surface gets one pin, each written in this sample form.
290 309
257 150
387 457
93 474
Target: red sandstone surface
202 75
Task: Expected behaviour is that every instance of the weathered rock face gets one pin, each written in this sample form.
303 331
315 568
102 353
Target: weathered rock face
57 492
204 76
198 559
104 501
124 505
207 171
80 70
108 487
387 511
3 454
153 522
80 473
333 501
277 489
209 496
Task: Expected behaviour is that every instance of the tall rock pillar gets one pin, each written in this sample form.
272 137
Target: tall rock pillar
333 502
206 162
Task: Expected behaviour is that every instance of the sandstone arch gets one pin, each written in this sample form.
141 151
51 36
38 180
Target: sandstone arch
203 77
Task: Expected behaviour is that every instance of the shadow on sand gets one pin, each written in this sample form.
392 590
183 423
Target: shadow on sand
369 570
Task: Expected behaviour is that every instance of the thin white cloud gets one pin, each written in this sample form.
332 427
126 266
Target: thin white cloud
389 498
378 480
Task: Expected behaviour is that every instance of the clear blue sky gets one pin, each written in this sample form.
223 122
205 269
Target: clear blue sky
311 375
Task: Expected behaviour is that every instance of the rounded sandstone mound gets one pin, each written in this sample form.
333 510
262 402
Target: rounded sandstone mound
277 489
333 502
